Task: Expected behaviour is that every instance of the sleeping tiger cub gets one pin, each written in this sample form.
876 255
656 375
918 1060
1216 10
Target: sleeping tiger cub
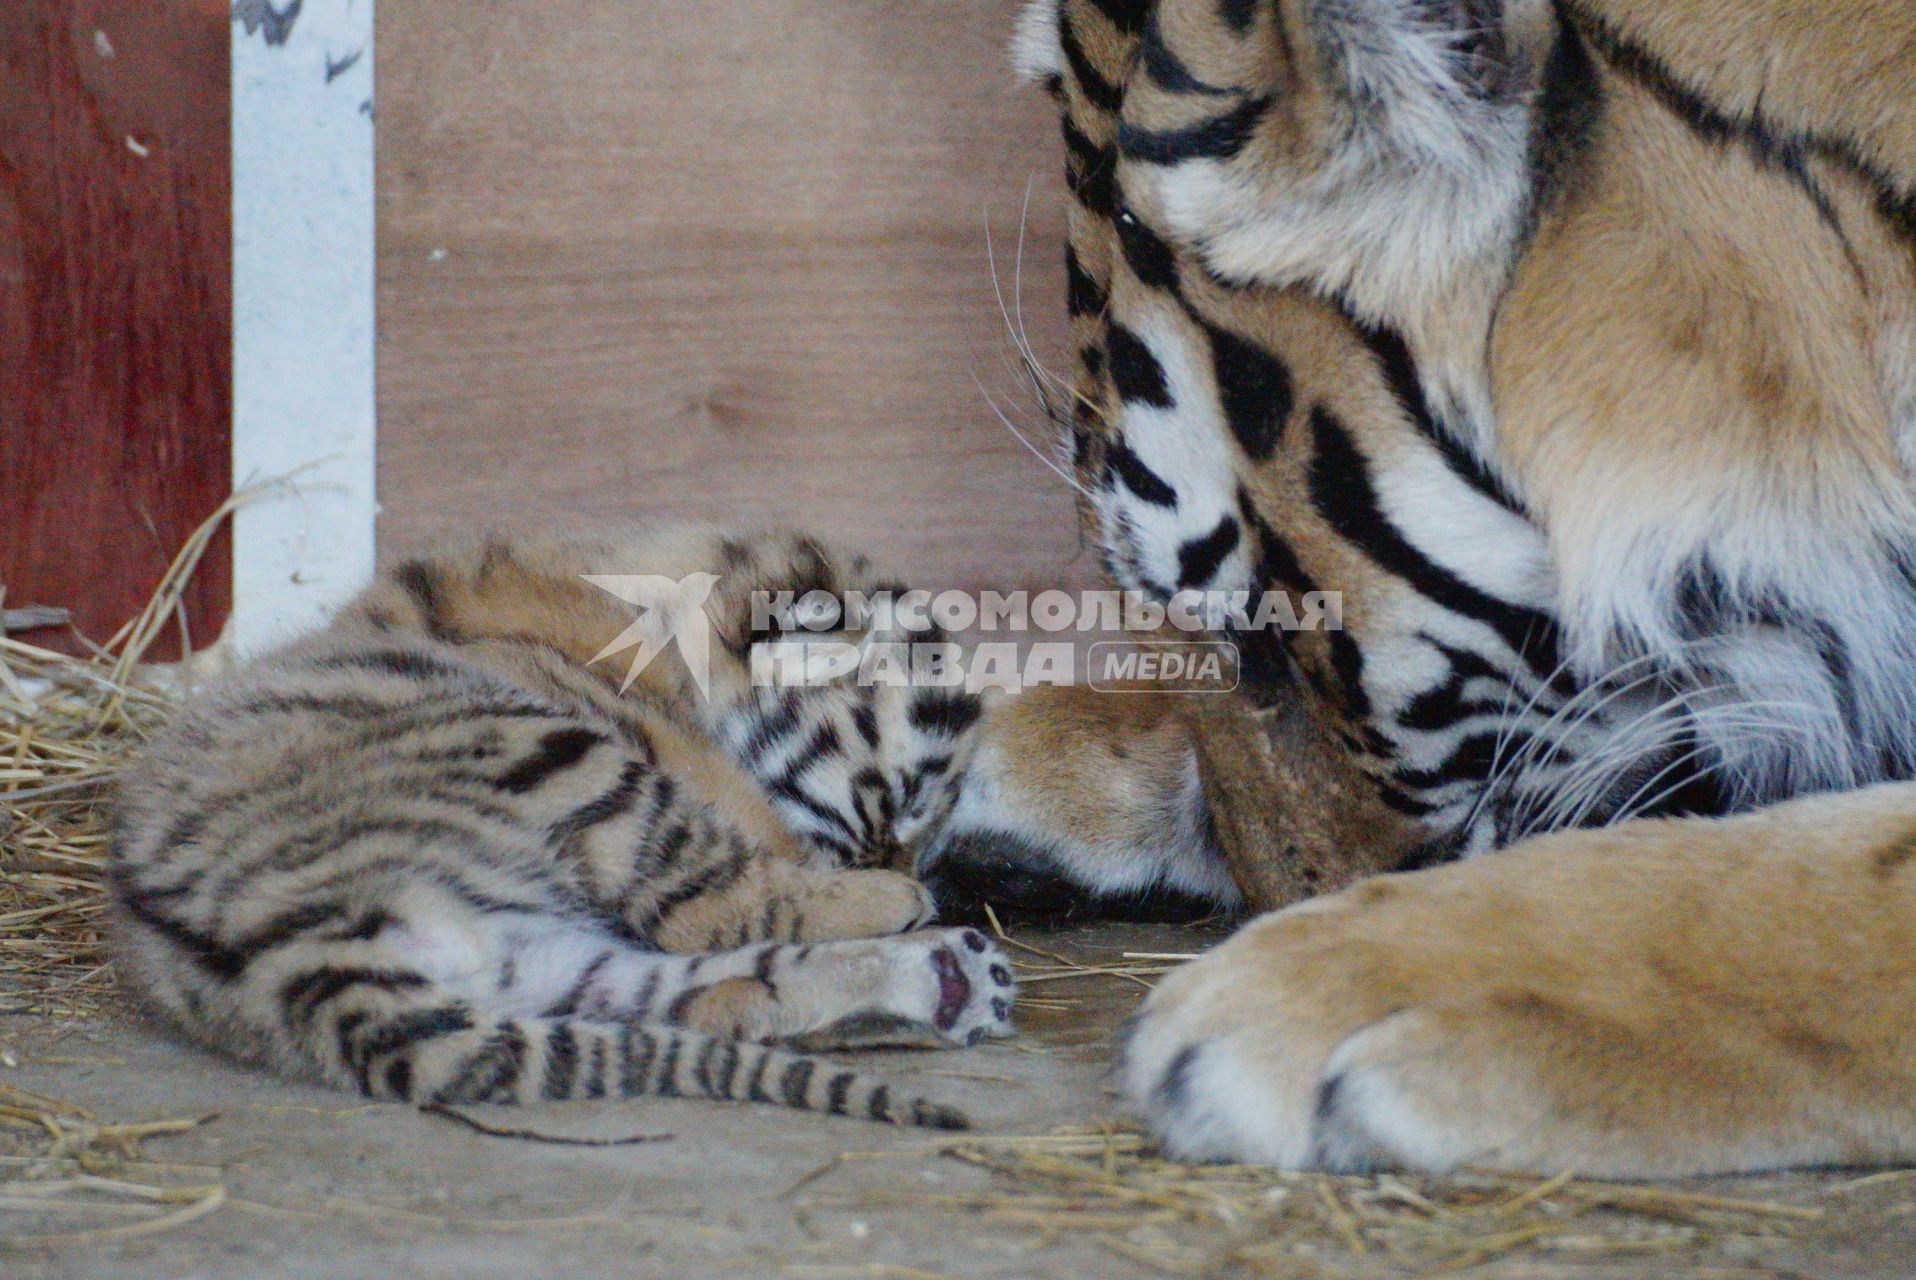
435 853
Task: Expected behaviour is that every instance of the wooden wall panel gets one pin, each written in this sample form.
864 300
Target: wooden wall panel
115 303
723 260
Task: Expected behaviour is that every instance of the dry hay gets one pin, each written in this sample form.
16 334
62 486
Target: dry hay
1107 1185
1038 967
66 724
69 1179
62 1165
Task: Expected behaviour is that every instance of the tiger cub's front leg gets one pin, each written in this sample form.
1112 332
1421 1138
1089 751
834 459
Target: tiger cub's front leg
772 900
1658 999
675 870
668 858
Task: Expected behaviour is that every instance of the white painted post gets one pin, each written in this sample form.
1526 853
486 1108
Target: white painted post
302 312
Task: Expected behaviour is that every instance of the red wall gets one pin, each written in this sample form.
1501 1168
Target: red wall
115 304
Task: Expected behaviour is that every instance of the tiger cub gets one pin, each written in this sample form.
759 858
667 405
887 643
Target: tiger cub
437 853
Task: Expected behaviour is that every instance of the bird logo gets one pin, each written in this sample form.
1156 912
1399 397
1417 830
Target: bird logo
669 611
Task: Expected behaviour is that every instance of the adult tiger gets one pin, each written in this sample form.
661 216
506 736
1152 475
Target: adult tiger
1575 344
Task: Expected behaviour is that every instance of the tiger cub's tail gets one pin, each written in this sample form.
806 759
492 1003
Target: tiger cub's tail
451 1055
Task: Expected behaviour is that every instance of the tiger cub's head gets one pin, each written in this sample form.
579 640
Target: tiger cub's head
841 699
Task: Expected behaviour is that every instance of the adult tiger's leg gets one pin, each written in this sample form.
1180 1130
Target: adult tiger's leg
1663 998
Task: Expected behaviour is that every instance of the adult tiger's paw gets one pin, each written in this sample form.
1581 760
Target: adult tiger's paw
1662 999
1263 1053
1243 1055
1408 1023
1326 1037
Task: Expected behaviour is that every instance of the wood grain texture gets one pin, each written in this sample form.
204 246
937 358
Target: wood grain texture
115 305
724 261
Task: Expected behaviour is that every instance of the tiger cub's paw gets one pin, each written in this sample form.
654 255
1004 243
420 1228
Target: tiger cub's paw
937 988
868 903
974 987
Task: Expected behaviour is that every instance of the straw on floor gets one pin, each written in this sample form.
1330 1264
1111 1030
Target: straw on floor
66 724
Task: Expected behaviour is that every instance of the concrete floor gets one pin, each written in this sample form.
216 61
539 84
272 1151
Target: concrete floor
321 1186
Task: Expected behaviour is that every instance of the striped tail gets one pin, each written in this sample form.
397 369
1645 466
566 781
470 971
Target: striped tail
451 1055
